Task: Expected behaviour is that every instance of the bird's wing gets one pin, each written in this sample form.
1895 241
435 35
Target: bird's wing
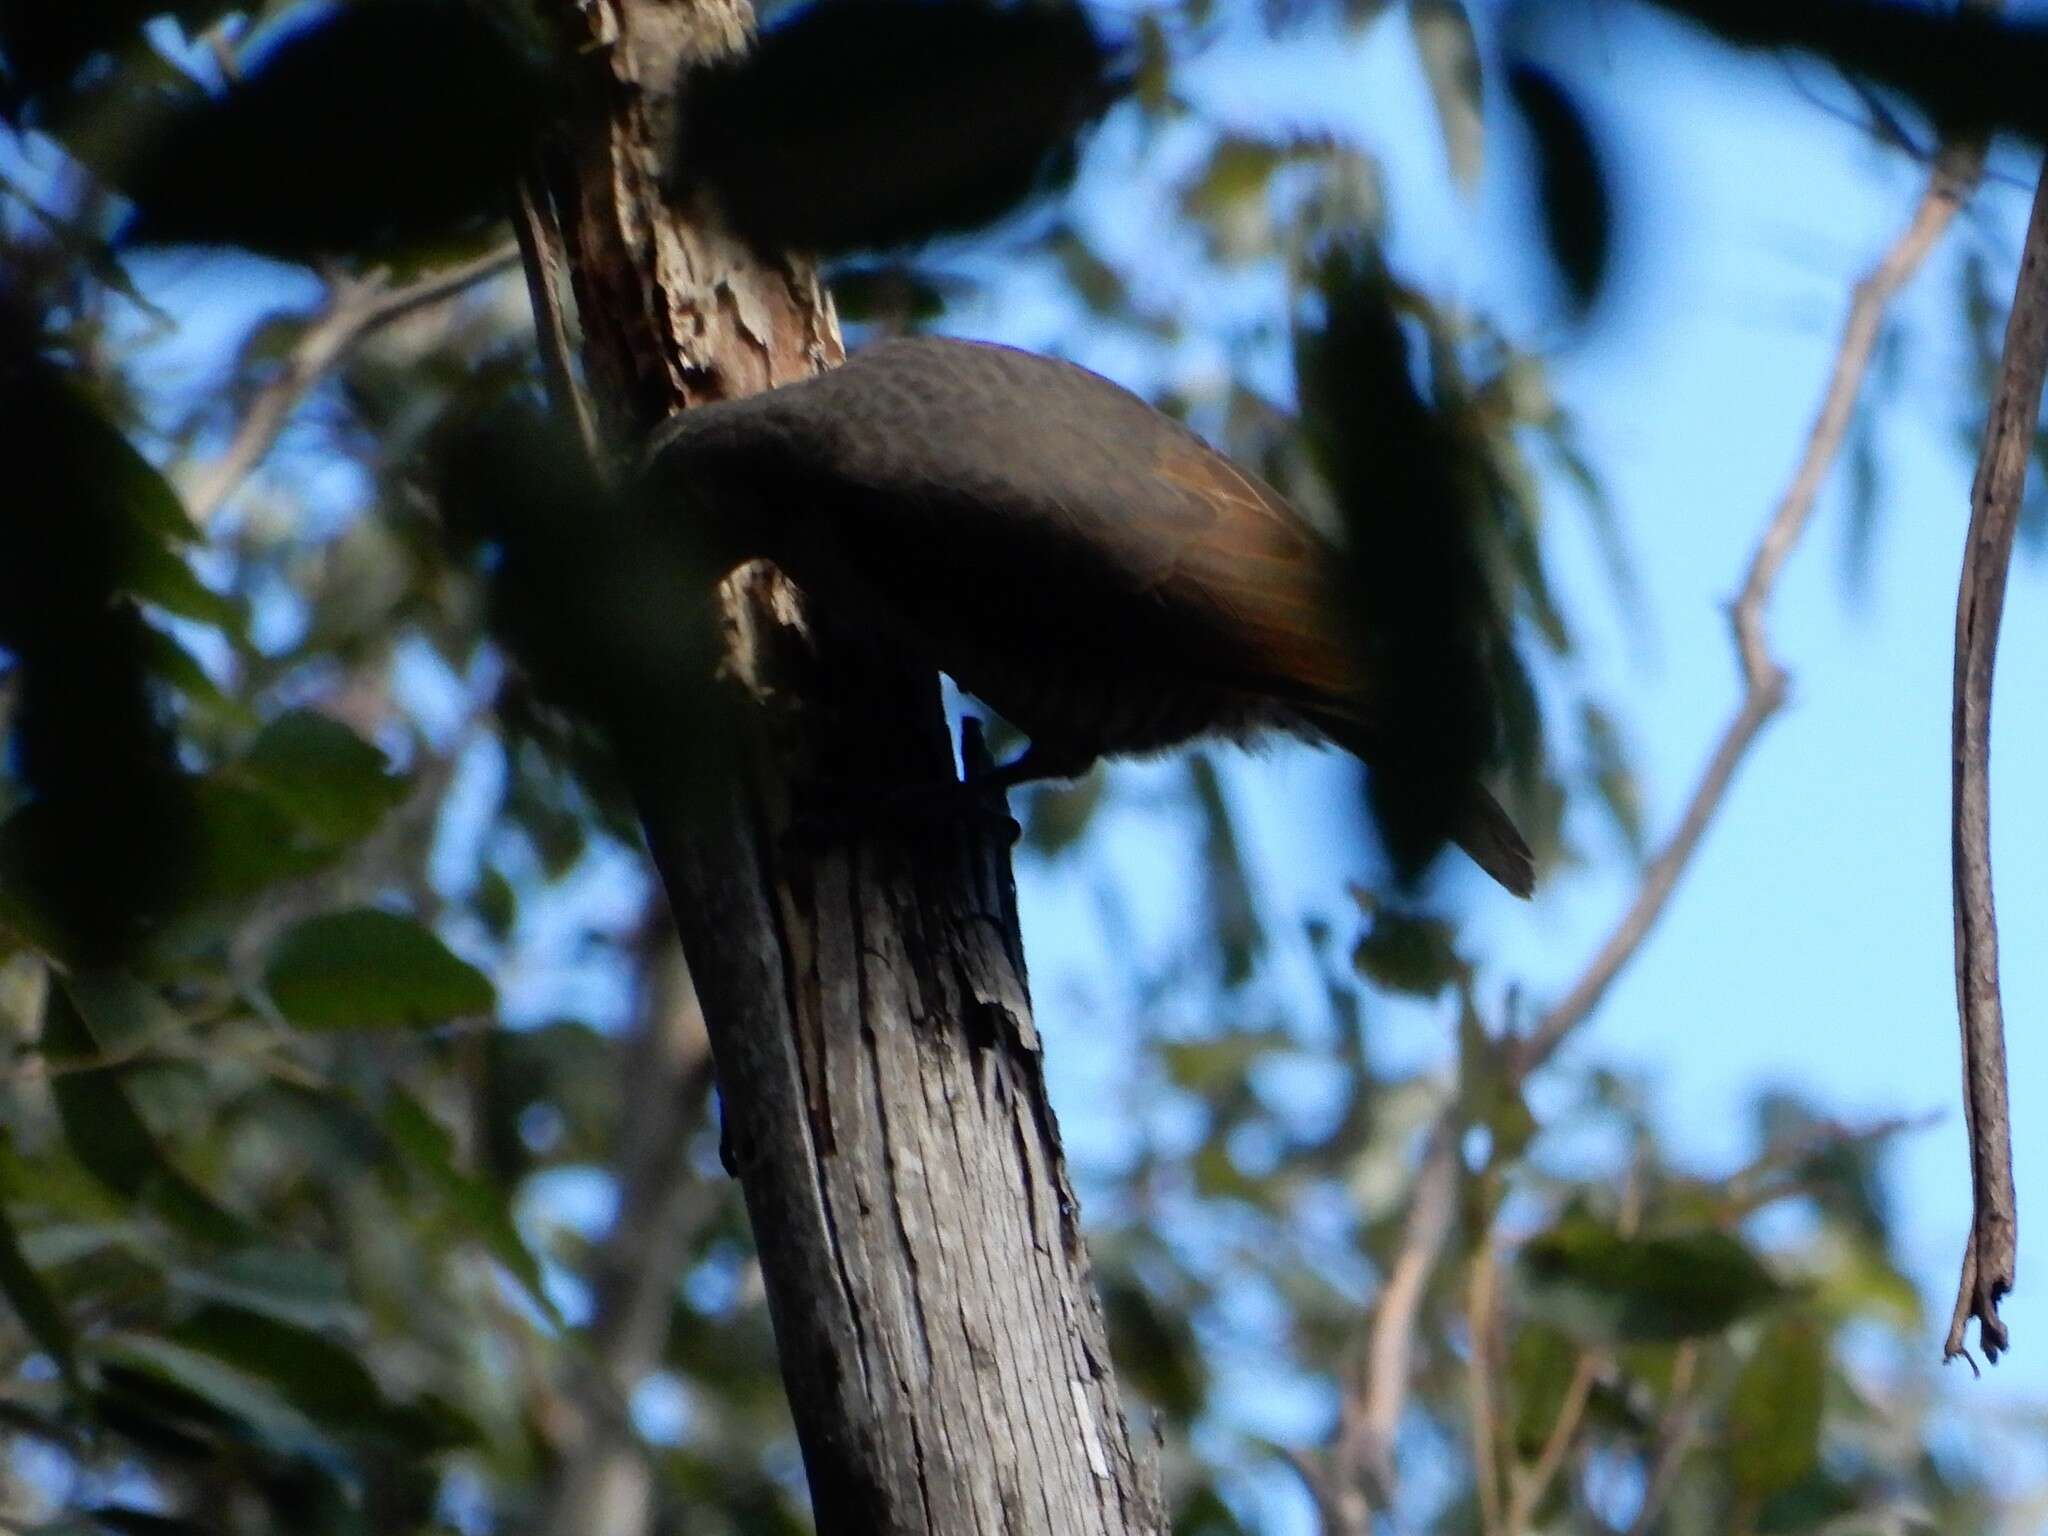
1076 513
1246 578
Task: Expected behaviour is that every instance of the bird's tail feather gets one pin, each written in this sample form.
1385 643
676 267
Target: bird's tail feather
1484 831
1476 823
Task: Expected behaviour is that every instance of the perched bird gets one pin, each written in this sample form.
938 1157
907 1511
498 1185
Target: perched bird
1066 553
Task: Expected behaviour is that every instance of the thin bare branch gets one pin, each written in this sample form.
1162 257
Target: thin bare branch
1331 1517
1955 173
603 1484
1675 1434
1482 1300
355 308
1535 1483
546 262
1373 1403
1990 1263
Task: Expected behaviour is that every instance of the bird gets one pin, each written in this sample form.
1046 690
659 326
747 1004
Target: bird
1074 558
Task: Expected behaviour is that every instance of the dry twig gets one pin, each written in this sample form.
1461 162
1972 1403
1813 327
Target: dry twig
1955 173
1675 1434
1535 1483
547 279
1991 1260
355 307
1482 1326
1370 1412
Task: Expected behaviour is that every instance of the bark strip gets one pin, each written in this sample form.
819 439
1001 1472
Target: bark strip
1991 1260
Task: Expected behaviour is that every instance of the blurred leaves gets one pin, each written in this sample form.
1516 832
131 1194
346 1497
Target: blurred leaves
44 49
1450 62
1776 1407
1414 492
605 598
1056 815
322 775
893 294
1968 68
1156 1351
1407 952
34 1307
480 1205
1604 1287
90 528
107 1134
380 126
1612 777
368 969
1571 183
1231 197
1233 909
821 139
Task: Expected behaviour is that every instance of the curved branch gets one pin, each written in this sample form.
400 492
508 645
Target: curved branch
1992 1258
1370 1412
355 307
1955 173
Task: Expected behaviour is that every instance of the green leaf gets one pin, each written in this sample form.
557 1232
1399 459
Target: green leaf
1571 182
1155 1348
1408 952
155 573
248 843
1613 778
1540 1365
1599 1286
365 969
1056 815
495 902
315 1374
1233 909
1450 62
290 1285
1491 1087
126 1521
107 1134
1814 1504
457 101
892 292
1230 200
1774 1414
226 1391
120 475
1218 1064
34 1307
124 1014
481 1205
323 775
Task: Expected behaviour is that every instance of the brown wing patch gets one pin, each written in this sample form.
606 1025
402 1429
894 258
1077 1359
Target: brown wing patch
1261 575
1070 517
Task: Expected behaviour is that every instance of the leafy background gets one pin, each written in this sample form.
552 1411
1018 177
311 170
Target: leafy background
359 1167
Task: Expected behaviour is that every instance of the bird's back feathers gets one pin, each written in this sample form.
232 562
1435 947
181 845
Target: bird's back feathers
1071 555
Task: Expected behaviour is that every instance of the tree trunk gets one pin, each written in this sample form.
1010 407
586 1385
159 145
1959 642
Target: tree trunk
864 991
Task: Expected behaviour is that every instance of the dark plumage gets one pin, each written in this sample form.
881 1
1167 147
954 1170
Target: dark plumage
1068 554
